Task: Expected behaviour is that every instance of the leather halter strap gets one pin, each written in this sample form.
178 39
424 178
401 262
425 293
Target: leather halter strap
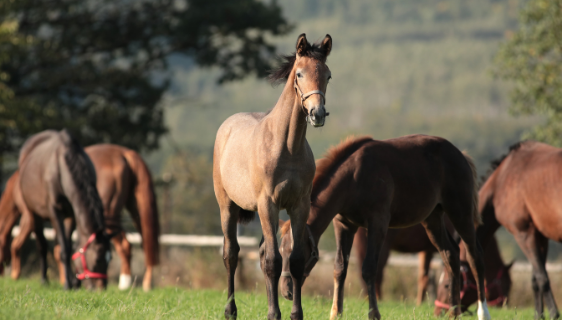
87 274
313 256
304 96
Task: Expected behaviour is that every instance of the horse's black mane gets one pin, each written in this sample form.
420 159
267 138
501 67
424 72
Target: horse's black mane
281 74
494 164
84 179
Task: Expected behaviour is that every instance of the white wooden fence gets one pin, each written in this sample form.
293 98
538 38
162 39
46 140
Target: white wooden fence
217 241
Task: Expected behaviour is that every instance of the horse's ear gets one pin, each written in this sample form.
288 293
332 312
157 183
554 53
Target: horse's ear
302 44
327 44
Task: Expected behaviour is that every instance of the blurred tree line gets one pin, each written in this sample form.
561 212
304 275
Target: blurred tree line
100 67
531 60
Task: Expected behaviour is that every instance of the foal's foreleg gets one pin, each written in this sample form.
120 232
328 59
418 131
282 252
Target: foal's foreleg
270 259
344 242
229 220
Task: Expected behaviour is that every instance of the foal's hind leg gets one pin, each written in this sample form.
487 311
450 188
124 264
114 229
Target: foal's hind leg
229 219
462 220
43 248
535 246
438 235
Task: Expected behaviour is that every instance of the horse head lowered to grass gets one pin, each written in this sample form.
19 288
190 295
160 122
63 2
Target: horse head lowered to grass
262 162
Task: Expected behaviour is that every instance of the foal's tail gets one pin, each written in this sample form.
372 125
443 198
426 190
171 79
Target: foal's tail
475 215
147 209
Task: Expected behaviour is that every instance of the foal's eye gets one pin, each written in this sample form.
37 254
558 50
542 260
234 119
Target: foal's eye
299 75
329 77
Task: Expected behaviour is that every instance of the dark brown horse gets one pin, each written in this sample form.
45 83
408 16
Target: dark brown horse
58 181
262 162
498 281
392 183
123 180
523 195
414 240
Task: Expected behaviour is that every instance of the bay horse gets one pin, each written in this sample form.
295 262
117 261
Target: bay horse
262 162
391 183
498 281
522 195
123 181
57 181
414 240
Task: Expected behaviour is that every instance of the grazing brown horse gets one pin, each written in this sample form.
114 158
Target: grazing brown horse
392 183
262 162
123 180
498 281
58 181
414 240
523 195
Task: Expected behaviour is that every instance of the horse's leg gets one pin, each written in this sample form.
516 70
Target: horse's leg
135 215
26 226
60 265
344 242
229 220
376 233
438 235
361 250
383 259
43 248
271 261
424 262
64 231
6 236
123 249
535 246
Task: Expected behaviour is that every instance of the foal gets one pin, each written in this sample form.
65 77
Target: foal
393 183
262 162
523 195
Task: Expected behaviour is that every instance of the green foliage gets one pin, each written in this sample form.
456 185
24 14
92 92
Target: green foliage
532 62
27 299
100 68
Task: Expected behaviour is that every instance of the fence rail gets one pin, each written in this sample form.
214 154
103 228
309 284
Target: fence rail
167 239
217 241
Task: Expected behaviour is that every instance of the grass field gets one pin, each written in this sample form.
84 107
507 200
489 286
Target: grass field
27 299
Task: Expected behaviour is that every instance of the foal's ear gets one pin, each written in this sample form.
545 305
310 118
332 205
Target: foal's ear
302 44
327 44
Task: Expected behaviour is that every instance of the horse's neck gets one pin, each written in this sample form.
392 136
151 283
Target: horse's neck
287 120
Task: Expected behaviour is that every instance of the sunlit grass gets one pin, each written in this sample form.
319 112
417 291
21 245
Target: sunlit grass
27 299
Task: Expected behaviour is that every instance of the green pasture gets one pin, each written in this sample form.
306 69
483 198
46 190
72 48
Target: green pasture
28 299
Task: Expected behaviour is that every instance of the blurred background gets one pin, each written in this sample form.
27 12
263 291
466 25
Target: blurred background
160 76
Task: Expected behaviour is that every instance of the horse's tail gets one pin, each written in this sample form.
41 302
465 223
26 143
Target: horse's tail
84 177
146 206
475 215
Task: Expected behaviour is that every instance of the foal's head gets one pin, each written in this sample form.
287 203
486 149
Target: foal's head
307 66
497 290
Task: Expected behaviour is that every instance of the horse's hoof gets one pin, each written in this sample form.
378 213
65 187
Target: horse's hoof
275 316
124 281
375 315
297 315
44 282
230 312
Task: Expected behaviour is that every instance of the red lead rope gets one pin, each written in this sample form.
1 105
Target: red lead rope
87 274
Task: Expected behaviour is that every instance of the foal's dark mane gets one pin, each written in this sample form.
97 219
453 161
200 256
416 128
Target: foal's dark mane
84 179
494 164
281 74
333 158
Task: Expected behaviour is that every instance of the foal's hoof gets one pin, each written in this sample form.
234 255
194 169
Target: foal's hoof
298 315
230 312
274 316
374 314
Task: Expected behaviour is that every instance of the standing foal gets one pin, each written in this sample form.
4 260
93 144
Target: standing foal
262 162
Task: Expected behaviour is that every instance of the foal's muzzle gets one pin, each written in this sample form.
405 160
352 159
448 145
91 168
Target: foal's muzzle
317 116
